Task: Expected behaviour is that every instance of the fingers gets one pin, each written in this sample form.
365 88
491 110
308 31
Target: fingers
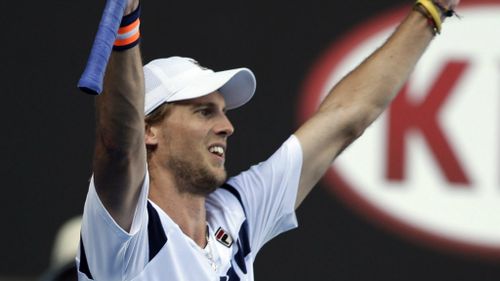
131 6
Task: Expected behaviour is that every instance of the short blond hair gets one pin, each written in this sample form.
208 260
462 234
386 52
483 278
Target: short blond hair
155 117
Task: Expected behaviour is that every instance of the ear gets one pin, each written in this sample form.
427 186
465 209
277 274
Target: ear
151 135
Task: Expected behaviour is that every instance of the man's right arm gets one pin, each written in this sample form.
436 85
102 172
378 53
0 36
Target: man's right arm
120 156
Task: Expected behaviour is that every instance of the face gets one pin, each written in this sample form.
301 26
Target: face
191 143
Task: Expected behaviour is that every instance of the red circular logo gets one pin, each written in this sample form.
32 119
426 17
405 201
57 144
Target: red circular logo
428 167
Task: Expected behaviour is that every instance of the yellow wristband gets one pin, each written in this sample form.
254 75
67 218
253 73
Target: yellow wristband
433 12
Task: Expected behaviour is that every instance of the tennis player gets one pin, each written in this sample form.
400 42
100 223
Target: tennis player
160 206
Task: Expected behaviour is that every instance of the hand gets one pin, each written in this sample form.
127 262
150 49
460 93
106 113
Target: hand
449 4
131 6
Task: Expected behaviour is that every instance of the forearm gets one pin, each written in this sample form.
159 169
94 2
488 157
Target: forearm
120 153
120 109
366 91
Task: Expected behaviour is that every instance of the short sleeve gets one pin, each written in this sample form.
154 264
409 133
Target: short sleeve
268 192
111 252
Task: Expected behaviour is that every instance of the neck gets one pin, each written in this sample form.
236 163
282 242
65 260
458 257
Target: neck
186 209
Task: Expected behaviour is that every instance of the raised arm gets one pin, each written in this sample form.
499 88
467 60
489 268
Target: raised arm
120 157
360 97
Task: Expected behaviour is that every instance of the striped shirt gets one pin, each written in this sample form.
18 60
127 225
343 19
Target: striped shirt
242 215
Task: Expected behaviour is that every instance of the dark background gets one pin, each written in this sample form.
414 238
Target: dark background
48 131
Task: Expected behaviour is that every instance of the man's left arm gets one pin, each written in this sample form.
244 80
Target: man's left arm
360 97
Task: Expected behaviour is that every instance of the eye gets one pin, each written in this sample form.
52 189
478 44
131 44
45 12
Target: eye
205 111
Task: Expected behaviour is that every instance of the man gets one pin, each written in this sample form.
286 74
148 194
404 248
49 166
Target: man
159 205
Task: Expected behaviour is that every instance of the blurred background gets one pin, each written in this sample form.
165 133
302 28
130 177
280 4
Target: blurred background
357 224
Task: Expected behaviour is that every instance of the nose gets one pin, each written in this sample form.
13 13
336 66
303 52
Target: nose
224 126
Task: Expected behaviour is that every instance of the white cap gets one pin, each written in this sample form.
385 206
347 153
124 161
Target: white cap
178 78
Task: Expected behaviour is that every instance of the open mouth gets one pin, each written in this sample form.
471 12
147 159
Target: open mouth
217 150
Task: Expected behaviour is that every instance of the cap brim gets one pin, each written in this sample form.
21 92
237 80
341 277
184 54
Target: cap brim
237 86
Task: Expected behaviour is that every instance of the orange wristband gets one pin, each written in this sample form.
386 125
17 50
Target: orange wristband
128 34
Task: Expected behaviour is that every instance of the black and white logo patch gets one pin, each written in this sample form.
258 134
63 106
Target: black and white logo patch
223 237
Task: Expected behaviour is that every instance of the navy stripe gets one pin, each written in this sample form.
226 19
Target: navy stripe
243 238
235 192
84 266
130 18
232 275
243 247
240 261
156 234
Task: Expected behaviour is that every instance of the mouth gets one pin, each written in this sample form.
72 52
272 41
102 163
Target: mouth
217 150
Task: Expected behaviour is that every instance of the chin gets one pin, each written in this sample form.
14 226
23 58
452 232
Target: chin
207 182
197 179
210 185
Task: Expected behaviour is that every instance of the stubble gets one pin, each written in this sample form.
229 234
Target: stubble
195 178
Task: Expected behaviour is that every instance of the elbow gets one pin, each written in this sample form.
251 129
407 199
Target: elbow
353 131
356 121
118 146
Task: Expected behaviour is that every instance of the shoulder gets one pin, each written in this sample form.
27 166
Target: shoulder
224 208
